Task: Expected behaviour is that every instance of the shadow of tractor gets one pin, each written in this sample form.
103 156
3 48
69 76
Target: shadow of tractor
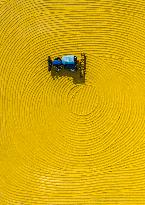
75 75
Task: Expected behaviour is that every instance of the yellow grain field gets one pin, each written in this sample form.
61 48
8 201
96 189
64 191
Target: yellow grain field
64 141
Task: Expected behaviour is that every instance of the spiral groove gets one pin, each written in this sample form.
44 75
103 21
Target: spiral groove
65 141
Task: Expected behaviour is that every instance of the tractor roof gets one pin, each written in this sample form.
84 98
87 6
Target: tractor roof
68 59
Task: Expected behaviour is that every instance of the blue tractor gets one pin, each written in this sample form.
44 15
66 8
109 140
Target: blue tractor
68 62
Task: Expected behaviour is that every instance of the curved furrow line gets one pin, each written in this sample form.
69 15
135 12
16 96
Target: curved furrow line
65 142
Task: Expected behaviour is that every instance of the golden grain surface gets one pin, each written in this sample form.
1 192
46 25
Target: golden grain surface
63 141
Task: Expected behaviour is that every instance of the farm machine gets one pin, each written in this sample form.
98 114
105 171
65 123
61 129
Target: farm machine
68 62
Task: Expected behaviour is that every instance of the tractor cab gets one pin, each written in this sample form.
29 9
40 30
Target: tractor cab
70 62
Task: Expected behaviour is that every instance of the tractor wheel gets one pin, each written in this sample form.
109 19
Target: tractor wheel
49 63
49 68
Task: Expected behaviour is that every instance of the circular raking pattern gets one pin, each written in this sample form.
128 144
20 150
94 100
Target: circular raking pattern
64 140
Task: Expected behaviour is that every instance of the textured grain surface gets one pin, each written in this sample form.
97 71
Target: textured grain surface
66 142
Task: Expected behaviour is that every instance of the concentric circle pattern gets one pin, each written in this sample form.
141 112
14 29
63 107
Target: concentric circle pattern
63 140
